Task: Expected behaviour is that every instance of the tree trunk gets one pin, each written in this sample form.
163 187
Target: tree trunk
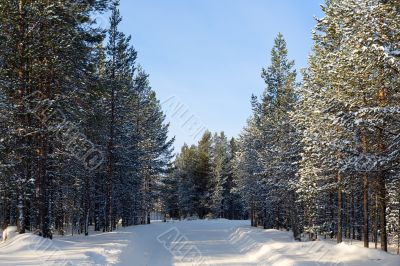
252 214
340 210
21 214
376 221
382 174
353 217
382 213
294 217
365 211
43 190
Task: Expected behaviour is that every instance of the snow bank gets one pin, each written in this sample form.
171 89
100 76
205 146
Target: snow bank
255 246
32 250
350 253
28 242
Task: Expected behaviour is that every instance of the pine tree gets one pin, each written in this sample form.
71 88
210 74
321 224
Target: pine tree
203 175
275 145
220 175
185 172
153 141
120 68
248 168
233 203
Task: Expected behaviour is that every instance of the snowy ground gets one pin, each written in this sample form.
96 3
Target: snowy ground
216 242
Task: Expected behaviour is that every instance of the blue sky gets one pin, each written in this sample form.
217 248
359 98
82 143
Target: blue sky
205 57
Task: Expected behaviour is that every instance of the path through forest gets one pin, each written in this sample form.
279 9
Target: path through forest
214 242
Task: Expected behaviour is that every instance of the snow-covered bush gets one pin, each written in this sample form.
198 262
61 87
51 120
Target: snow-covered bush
9 233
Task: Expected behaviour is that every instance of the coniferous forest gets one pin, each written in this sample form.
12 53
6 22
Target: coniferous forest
84 140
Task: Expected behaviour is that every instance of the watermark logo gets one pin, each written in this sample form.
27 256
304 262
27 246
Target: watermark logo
47 252
179 246
180 113
55 121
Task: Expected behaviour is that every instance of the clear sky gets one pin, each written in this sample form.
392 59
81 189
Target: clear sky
205 57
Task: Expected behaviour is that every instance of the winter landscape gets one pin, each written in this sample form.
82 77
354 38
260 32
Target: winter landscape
157 133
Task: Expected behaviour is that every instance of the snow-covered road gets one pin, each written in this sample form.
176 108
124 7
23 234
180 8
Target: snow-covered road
215 242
